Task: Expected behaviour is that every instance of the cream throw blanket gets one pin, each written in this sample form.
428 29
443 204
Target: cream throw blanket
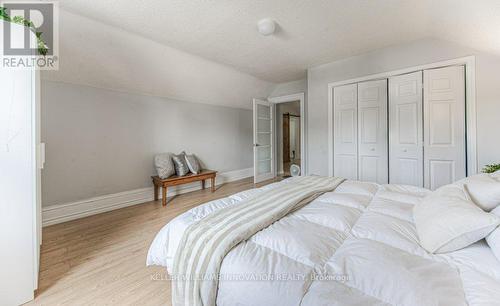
205 243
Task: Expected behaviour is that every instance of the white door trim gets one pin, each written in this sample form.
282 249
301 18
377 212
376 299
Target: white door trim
303 138
37 172
470 97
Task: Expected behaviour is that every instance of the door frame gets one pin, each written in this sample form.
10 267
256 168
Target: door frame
39 158
470 104
303 135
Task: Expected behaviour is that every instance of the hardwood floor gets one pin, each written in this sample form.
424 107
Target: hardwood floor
101 259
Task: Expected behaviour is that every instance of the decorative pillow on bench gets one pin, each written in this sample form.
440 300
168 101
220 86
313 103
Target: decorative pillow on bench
181 167
164 165
192 163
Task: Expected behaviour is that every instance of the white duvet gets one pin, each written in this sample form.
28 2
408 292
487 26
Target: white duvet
354 246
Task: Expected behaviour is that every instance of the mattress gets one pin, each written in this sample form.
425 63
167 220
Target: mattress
356 245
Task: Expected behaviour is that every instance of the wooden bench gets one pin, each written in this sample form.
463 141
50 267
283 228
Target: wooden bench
180 180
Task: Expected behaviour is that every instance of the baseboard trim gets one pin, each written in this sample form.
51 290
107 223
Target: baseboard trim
55 214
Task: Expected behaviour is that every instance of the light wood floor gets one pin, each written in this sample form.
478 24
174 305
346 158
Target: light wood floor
100 260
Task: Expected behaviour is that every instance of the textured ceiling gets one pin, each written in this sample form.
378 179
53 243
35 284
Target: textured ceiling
310 32
95 54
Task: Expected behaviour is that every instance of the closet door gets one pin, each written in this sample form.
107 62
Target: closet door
444 126
405 129
345 132
372 132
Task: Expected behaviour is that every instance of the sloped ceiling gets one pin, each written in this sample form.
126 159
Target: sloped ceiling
310 32
98 55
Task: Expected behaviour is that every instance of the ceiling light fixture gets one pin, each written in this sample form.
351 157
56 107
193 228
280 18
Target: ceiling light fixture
266 26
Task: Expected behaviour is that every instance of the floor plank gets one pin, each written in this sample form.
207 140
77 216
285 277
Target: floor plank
100 259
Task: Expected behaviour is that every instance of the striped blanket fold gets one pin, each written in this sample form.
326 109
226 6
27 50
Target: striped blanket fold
205 243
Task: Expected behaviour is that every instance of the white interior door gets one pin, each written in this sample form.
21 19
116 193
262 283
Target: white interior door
18 214
345 146
263 139
444 126
372 132
405 129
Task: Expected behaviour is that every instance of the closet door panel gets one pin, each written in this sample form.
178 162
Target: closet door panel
444 126
372 131
345 131
406 129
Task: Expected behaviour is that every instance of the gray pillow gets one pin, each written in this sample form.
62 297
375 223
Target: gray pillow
181 167
164 165
193 164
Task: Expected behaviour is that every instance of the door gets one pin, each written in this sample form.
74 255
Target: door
405 129
444 126
345 145
285 131
263 155
372 132
18 181
295 139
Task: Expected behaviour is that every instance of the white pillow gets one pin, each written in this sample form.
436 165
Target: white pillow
493 239
484 190
447 220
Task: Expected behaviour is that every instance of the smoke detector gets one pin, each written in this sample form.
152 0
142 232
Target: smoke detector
266 26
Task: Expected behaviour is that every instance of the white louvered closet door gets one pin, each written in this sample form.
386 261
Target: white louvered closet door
346 131
406 129
444 126
372 132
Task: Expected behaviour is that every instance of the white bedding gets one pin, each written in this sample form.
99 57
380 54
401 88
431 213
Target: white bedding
354 246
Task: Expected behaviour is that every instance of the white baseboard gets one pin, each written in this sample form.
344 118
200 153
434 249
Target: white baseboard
70 211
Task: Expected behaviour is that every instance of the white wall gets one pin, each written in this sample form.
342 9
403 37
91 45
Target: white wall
393 58
288 88
119 98
101 142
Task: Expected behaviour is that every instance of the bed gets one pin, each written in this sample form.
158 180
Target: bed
355 245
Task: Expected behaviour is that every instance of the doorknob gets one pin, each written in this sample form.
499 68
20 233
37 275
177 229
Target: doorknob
256 145
372 149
